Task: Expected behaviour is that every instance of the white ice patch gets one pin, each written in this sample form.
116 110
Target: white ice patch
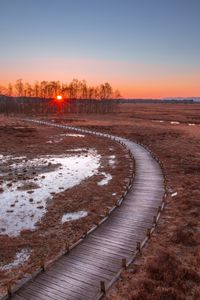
105 180
174 194
77 149
112 159
158 121
22 209
175 123
4 159
58 140
54 141
20 258
191 124
72 134
74 216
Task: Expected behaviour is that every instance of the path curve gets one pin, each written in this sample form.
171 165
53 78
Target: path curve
98 258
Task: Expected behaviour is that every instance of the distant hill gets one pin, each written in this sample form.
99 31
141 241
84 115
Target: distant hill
165 100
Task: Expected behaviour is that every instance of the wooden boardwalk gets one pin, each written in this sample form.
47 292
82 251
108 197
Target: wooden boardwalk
98 257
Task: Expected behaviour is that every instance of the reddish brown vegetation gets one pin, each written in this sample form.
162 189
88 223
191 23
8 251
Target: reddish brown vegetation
17 138
169 265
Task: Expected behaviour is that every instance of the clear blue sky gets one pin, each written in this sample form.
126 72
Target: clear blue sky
144 47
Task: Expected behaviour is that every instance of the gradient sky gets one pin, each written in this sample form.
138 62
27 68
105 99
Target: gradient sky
146 48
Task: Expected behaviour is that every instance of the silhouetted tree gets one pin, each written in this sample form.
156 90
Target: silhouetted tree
49 89
19 86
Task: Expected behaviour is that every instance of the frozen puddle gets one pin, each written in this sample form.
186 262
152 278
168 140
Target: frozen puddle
20 258
105 180
23 204
74 216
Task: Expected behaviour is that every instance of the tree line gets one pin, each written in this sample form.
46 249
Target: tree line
75 89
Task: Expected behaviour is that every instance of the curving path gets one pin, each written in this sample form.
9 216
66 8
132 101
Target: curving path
98 257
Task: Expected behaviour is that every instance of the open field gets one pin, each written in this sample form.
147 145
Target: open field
54 186
184 113
169 266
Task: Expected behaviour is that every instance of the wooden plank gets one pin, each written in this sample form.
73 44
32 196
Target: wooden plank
56 277
132 225
63 292
80 273
42 293
68 289
103 250
55 290
115 242
95 261
121 238
94 254
106 256
30 295
109 247
86 266
131 233
18 297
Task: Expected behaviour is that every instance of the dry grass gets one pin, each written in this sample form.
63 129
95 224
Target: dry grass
169 266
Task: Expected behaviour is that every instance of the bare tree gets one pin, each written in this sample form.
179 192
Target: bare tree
50 89
10 89
19 86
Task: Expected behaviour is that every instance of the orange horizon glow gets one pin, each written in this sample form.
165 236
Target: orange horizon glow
146 89
133 80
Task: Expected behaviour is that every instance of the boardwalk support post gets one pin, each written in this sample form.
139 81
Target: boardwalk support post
148 233
9 290
124 263
138 247
103 287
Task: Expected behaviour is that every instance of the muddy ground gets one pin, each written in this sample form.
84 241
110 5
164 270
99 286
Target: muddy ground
19 139
169 265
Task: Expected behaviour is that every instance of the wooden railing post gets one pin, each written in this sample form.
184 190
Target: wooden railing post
103 287
124 263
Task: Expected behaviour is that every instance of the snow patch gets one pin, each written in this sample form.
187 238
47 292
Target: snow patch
112 159
174 194
20 258
21 209
105 180
72 134
174 122
74 216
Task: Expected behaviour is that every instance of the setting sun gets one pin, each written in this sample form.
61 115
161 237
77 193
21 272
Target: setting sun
59 97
